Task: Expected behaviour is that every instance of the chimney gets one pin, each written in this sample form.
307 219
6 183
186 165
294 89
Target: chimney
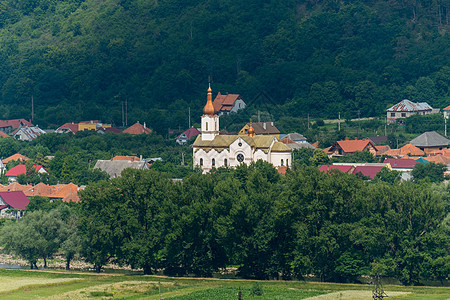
140 157
271 124
356 138
346 138
145 126
264 125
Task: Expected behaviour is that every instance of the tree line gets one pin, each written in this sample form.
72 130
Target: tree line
335 226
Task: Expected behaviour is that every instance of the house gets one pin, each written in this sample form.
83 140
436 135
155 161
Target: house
293 145
213 150
130 158
27 133
186 135
342 168
138 128
401 165
15 157
431 142
382 149
296 137
12 204
345 147
378 140
8 126
367 171
114 168
64 192
92 125
68 128
4 135
108 129
14 172
261 128
406 108
446 112
227 103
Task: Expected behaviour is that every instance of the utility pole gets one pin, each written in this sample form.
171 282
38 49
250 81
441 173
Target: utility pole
123 117
308 121
126 111
445 122
189 118
32 108
339 122
182 158
359 123
259 116
385 127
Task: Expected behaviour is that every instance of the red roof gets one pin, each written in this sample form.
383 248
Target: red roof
69 126
15 199
138 128
112 129
368 171
4 135
326 168
20 169
224 102
401 163
189 133
15 123
130 158
447 108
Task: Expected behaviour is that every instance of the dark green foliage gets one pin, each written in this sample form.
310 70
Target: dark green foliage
428 172
319 58
419 124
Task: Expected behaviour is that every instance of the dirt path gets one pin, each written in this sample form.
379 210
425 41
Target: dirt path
352 295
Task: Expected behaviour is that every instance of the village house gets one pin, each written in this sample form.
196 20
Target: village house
27 133
228 103
184 137
14 172
15 157
138 128
431 142
406 108
8 126
93 125
446 112
345 147
13 204
213 150
407 150
114 168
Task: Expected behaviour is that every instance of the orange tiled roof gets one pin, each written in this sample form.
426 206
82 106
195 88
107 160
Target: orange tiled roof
447 108
40 189
282 170
137 128
130 158
4 135
382 149
392 152
438 159
316 144
67 192
411 150
287 141
15 186
16 156
350 146
224 102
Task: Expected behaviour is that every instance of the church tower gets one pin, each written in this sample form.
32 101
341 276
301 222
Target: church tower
210 121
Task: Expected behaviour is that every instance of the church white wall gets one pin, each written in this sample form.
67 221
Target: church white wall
245 149
276 158
210 127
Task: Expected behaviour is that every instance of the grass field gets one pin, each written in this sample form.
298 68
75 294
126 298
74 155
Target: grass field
23 284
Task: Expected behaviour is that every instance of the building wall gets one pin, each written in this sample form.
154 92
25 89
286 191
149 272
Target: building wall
238 104
281 159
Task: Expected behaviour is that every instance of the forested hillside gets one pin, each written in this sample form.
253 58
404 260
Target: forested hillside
82 59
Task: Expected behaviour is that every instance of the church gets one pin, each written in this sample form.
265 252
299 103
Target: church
212 150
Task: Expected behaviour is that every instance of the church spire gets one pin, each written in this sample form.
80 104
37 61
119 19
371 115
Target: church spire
209 107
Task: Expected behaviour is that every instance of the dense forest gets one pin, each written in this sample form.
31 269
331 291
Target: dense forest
83 60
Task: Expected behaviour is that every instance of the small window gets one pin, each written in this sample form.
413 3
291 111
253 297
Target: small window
282 162
240 157
225 162
201 161
392 114
287 162
213 162
403 115
206 126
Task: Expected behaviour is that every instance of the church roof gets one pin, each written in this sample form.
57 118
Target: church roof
280 147
224 141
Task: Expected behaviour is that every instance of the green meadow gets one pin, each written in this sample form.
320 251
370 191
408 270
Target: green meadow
25 284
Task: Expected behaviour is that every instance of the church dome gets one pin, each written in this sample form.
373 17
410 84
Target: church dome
209 107
251 131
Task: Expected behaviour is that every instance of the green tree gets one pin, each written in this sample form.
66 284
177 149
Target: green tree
429 172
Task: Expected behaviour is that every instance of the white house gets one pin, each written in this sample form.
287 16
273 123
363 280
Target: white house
212 150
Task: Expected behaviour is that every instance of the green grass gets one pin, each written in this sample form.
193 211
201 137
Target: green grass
76 285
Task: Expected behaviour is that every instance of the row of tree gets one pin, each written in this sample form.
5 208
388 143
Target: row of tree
335 226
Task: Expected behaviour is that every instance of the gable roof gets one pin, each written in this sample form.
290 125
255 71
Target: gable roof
66 192
30 132
397 163
411 150
15 157
40 189
438 159
368 171
111 129
350 146
224 141
225 102
15 186
137 128
189 133
68 127
430 139
4 135
383 149
408 106
264 128
115 167
379 139
130 158
14 123
20 169
16 199
447 108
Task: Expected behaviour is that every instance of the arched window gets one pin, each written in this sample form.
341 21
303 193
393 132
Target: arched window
282 162
213 162
287 162
206 124
201 161
225 162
